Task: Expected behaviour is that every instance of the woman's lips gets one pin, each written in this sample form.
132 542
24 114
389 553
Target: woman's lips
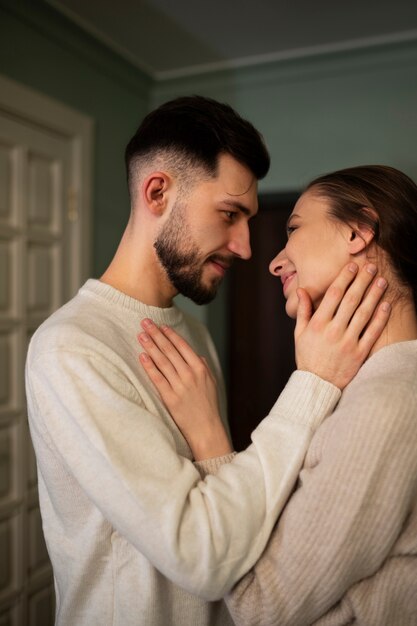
286 280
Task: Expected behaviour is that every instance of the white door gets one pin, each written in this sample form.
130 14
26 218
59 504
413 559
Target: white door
42 263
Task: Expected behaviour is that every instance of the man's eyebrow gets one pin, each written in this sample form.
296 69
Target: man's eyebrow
238 205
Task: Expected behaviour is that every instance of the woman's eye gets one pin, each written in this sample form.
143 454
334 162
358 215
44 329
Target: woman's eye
291 229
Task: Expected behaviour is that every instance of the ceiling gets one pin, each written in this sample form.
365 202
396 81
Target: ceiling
172 38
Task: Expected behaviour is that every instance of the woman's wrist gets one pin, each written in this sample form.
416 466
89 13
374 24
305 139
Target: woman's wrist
212 444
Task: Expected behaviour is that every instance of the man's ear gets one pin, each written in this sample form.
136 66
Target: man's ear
155 189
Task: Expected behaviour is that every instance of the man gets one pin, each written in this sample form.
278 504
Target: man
132 531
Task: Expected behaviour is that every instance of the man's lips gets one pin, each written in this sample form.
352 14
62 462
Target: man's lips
220 265
286 279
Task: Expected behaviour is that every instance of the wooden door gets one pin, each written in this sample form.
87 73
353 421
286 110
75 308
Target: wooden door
39 243
261 354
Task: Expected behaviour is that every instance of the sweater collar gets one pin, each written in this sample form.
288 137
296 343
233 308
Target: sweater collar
95 288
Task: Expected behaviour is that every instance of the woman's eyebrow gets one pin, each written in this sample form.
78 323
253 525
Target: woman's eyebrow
291 216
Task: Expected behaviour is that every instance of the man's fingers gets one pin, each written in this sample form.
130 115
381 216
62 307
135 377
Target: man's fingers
356 295
366 309
375 328
304 311
334 295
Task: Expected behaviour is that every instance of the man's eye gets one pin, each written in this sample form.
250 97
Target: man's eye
231 215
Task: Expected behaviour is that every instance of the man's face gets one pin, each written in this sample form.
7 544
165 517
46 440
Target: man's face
209 229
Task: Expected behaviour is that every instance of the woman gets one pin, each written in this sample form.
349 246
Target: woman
344 551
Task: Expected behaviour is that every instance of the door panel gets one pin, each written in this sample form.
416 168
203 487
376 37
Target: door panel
36 277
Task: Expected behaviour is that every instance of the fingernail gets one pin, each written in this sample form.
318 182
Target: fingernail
385 306
381 282
352 267
164 328
144 337
144 357
147 323
371 268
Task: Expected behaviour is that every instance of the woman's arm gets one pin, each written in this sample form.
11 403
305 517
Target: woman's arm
354 496
188 389
331 343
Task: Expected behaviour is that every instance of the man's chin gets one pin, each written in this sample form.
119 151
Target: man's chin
201 295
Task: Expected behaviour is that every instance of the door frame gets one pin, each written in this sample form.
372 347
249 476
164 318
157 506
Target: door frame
40 110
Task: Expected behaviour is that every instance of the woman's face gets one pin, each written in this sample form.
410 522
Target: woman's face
316 251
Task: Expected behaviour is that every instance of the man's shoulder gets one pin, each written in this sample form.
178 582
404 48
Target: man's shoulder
77 324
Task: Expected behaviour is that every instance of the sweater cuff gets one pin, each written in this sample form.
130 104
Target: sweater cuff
211 466
306 399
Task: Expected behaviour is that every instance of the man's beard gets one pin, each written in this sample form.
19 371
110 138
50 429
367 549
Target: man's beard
181 259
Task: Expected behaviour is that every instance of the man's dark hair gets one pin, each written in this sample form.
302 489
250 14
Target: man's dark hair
191 132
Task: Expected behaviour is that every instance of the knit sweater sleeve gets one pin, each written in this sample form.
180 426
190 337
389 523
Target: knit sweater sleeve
350 506
125 460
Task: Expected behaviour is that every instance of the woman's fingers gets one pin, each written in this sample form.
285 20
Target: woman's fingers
157 378
163 363
171 354
171 344
164 353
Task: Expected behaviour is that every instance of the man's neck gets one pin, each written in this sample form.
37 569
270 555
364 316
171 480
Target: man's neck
139 275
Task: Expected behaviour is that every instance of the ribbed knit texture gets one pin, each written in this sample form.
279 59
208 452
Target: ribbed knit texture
345 549
133 532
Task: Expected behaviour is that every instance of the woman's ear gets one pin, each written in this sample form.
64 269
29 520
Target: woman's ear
155 190
360 238
361 235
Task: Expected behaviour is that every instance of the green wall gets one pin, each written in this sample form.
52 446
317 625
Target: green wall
324 112
43 50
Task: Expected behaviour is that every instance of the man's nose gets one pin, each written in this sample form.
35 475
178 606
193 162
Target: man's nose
239 242
278 263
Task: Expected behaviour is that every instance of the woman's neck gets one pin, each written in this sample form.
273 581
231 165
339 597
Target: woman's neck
401 326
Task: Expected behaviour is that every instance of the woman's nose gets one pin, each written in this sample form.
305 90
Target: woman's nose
278 263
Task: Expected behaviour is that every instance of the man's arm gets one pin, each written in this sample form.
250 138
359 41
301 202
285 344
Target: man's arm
202 535
125 460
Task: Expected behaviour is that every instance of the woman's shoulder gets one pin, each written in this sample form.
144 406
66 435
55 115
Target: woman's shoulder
395 362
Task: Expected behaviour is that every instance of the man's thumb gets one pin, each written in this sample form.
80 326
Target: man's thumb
304 311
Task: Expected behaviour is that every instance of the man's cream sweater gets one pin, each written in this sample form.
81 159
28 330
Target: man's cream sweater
133 533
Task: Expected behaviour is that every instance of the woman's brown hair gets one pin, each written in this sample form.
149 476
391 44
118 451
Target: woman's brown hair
384 199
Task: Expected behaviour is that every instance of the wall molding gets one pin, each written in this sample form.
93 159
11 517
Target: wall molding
60 30
359 60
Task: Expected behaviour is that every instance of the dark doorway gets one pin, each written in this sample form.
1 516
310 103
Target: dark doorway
261 347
